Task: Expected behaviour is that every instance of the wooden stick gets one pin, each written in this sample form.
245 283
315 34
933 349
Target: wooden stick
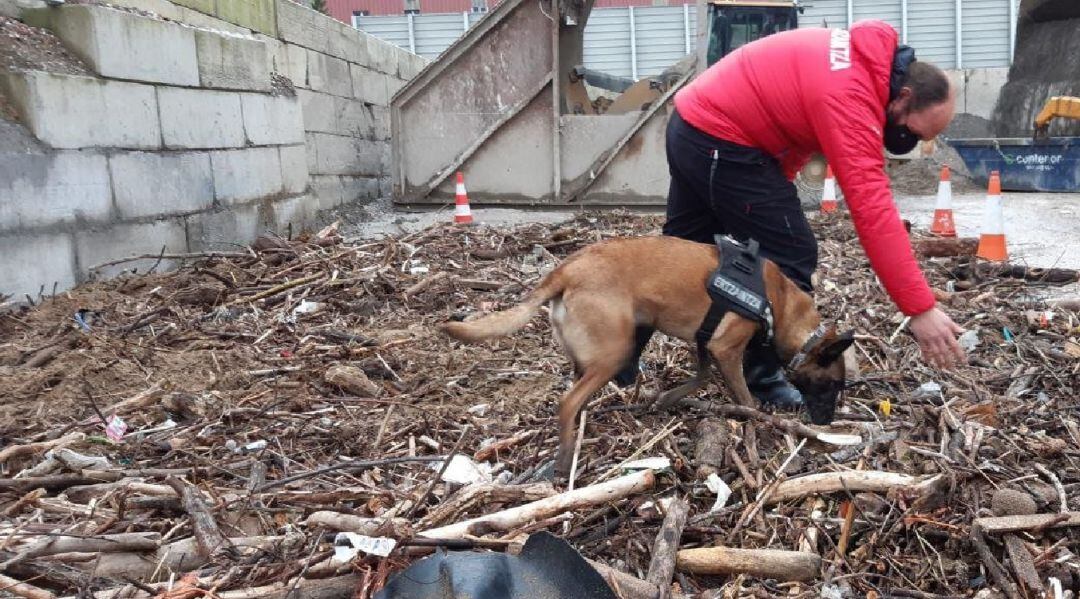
207 534
15 451
1022 565
486 453
22 589
426 282
577 450
1054 480
393 527
831 482
484 493
763 563
993 567
784 424
277 289
1003 524
514 517
625 585
849 517
662 564
128 541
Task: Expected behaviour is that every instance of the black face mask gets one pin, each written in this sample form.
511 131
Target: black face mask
899 140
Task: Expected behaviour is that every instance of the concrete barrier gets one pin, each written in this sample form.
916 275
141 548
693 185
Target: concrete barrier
43 190
71 111
99 245
328 74
294 168
182 183
34 262
370 85
231 62
244 175
272 120
197 118
122 45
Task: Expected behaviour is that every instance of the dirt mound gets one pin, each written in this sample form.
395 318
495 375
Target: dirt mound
921 175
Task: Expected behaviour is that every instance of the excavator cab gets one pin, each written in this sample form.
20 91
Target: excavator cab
733 24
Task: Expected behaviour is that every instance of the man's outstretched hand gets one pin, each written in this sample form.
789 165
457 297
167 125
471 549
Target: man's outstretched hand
936 334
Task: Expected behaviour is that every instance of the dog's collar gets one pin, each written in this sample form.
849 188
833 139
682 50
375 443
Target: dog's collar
811 342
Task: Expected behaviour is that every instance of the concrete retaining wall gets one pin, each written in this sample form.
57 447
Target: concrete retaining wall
181 142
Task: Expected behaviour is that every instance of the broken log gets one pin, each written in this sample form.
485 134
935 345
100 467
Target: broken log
352 380
1033 522
1023 565
15 451
783 424
207 534
713 439
942 247
22 589
84 493
512 518
625 585
662 564
984 270
484 494
486 453
128 541
397 528
798 566
863 480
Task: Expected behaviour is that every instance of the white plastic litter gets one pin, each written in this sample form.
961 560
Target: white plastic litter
348 544
464 471
723 492
306 307
931 389
479 410
659 463
969 340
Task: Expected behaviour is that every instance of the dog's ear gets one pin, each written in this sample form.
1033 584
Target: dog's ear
833 349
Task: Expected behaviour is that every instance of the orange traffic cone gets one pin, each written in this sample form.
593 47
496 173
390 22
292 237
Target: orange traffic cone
943 215
462 213
992 240
828 193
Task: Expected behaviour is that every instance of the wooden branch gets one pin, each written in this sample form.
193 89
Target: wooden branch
128 541
207 534
16 451
426 282
625 585
340 587
1033 522
84 493
381 527
484 494
713 438
538 510
784 424
486 453
854 481
22 589
763 563
183 554
662 564
1022 565
993 567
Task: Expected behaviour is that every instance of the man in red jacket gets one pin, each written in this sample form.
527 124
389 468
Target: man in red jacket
744 127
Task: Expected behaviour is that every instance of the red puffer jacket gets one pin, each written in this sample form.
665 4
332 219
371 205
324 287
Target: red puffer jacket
819 90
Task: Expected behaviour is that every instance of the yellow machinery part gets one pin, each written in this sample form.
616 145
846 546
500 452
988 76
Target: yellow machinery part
1058 106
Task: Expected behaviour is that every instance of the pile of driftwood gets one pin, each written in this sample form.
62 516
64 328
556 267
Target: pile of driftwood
213 430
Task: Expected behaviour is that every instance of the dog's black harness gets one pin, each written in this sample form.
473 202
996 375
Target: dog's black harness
738 285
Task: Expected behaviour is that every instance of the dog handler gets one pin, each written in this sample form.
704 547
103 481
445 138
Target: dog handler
744 127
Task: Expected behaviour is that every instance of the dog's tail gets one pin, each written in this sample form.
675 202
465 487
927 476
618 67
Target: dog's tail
500 324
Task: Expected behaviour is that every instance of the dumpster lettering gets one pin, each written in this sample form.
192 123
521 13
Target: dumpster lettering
1034 162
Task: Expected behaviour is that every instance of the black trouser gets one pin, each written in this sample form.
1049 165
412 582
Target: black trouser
718 187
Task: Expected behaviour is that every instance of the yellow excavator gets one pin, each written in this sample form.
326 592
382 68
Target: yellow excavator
1058 106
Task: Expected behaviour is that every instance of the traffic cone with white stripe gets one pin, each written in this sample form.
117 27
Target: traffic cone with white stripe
462 212
943 214
828 192
992 239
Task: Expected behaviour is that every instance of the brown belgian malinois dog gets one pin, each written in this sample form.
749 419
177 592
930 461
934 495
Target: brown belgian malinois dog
602 292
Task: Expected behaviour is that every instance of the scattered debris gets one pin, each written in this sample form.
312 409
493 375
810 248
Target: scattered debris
290 426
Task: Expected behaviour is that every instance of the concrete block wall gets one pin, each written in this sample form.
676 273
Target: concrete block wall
188 138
